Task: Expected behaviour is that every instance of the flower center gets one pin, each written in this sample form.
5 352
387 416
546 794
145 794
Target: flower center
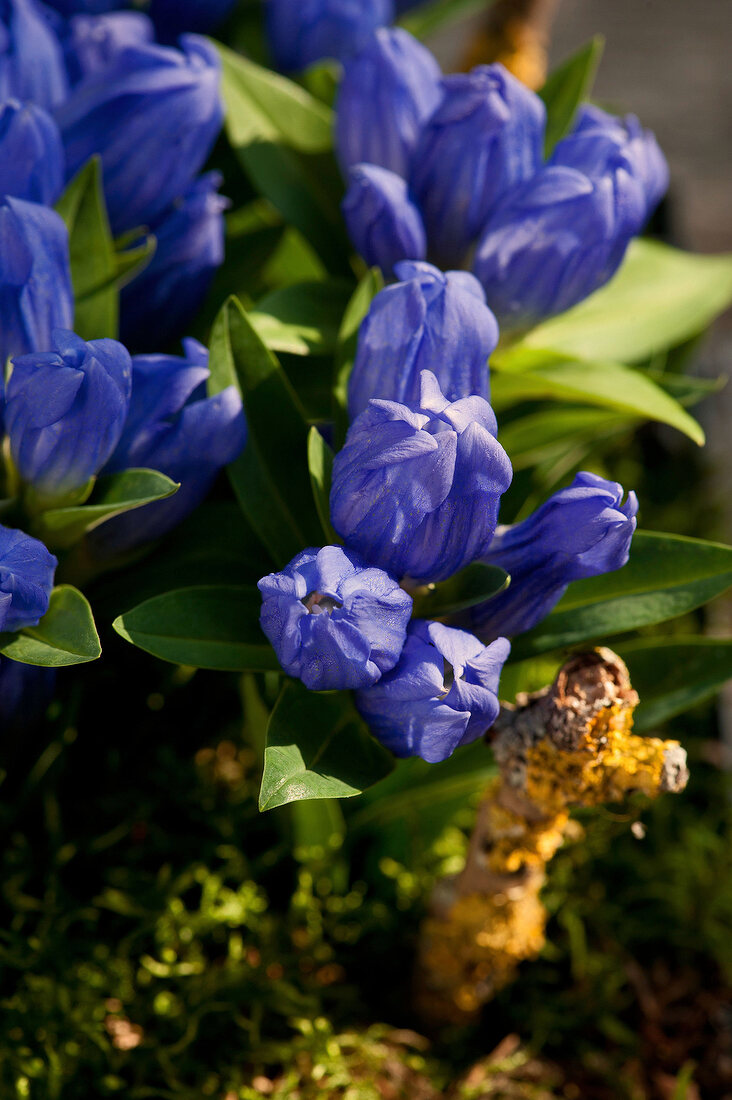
317 603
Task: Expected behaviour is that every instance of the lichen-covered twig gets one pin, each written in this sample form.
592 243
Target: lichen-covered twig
568 745
516 33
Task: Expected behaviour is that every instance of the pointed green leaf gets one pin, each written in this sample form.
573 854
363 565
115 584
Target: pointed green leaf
318 747
112 495
66 635
667 575
538 436
673 674
320 463
356 310
302 319
206 626
567 87
430 17
472 585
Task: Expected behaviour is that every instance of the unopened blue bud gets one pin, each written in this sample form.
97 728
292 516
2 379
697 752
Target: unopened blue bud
65 411
26 579
31 59
416 490
389 89
442 693
35 277
427 321
31 153
485 137
190 247
582 531
153 117
92 43
302 32
382 221
333 620
174 17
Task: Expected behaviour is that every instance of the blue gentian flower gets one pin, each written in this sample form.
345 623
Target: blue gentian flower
31 153
427 321
88 7
302 32
174 17
389 89
382 221
442 693
172 426
93 43
334 621
581 531
190 247
31 60
153 117
416 489
485 137
26 579
35 277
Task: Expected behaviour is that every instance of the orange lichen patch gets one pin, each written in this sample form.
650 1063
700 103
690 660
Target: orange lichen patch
516 843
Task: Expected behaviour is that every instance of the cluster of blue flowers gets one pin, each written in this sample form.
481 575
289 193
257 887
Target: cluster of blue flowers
78 82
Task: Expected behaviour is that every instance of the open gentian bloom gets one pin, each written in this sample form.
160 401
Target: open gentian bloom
416 490
333 620
26 579
581 531
442 693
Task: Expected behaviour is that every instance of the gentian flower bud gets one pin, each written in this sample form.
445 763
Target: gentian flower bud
581 531
389 89
172 426
26 579
65 410
31 153
174 17
31 59
122 112
35 278
485 137
382 221
442 693
92 43
427 321
301 32
416 490
333 620
553 242
190 247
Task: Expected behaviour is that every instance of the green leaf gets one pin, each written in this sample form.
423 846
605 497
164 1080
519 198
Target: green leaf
112 495
66 635
532 438
432 16
131 261
302 319
206 626
673 674
270 477
667 575
356 310
318 747
520 375
263 106
472 585
320 463
567 87
94 265
659 298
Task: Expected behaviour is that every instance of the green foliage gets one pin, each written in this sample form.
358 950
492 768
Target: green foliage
472 585
567 87
66 635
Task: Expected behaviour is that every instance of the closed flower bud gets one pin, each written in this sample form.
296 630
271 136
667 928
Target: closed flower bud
190 247
388 91
581 531
31 153
35 277
333 620
442 693
416 490
31 60
427 321
485 137
382 221
301 32
174 427
65 410
26 579
174 17
553 242
92 43
153 117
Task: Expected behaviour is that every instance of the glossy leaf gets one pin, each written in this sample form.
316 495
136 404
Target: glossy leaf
318 747
472 585
66 635
320 464
430 17
303 319
567 87
532 438
206 626
356 310
673 674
